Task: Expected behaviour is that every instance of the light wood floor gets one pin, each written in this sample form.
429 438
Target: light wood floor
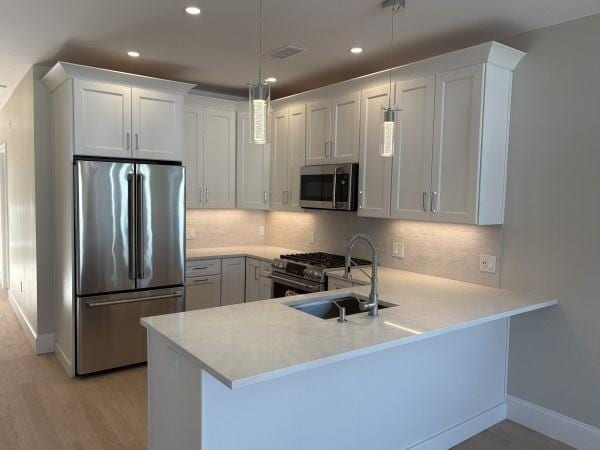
40 408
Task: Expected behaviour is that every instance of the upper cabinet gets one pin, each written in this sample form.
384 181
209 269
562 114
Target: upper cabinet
288 145
332 130
120 115
157 125
210 156
253 168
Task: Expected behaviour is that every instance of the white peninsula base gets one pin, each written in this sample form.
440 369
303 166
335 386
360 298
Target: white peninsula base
428 394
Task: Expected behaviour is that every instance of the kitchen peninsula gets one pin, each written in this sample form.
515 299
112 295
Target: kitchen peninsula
427 373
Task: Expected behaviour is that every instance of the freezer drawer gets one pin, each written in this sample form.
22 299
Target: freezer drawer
109 333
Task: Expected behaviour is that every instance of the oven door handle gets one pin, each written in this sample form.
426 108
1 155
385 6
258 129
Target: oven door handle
334 186
294 283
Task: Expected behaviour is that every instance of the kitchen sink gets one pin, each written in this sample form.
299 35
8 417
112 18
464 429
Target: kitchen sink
326 308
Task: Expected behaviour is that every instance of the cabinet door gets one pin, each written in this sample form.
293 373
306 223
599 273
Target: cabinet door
233 281
202 292
345 129
318 123
411 168
457 141
266 288
192 159
375 174
102 115
252 280
253 163
296 154
280 161
157 125
219 158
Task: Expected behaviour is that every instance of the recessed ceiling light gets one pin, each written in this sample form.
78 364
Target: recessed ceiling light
271 80
356 50
133 54
193 10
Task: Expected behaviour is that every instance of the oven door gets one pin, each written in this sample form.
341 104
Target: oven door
287 285
329 186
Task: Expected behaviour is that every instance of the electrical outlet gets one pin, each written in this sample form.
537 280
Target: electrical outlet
261 230
487 263
398 249
312 237
190 233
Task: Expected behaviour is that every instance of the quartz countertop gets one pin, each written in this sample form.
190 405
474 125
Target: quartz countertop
259 341
264 252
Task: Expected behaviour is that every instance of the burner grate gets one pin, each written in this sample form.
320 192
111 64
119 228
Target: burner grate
324 260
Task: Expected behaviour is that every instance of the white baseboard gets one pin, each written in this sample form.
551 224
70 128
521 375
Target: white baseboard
64 360
41 343
554 425
465 430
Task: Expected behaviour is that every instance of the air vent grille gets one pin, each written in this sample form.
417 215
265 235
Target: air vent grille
285 52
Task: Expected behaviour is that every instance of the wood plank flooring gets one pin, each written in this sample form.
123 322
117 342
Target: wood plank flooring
41 408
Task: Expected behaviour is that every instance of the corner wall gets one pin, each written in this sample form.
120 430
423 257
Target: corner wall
552 227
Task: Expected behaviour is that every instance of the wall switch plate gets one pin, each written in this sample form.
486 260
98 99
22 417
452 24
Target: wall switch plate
487 263
398 249
190 233
261 230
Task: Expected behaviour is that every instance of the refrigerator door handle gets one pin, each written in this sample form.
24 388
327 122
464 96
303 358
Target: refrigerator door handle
134 300
131 231
139 225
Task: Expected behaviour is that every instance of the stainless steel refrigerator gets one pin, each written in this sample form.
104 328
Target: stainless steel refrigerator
129 250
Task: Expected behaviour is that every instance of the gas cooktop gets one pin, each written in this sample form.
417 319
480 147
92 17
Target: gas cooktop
323 260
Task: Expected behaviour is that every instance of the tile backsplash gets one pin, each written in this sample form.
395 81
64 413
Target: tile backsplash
221 228
445 250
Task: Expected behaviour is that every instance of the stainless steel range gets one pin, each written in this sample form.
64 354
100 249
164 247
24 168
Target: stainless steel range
303 273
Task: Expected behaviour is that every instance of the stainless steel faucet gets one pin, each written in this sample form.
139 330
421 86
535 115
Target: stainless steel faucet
373 305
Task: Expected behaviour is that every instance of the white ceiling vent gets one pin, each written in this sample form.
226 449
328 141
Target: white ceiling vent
285 52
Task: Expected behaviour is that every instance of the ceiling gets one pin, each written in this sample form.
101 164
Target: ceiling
218 49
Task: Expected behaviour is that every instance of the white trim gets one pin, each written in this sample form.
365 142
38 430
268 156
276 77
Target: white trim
464 430
64 360
43 343
554 425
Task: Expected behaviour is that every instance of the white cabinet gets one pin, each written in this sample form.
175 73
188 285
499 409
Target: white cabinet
233 281
252 280
332 131
202 292
253 168
375 172
157 121
102 119
449 162
117 121
266 288
209 158
288 156
336 283
411 166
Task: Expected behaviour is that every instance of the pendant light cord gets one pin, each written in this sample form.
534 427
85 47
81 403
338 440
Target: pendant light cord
395 8
260 13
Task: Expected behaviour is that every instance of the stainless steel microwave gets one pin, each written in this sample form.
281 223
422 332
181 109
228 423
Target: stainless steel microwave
332 186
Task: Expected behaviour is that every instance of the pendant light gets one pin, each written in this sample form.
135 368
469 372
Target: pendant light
259 96
388 128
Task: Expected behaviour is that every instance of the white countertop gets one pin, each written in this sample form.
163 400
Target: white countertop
253 342
264 252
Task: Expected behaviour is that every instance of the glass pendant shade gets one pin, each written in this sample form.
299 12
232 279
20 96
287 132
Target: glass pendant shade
388 129
260 98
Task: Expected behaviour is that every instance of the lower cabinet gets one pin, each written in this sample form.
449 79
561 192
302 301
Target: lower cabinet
202 292
336 283
233 274
258 283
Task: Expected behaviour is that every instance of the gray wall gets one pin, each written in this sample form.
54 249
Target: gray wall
552 231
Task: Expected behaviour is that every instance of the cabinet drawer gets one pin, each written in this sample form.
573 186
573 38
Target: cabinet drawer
336 283
202 292
203 267
265 269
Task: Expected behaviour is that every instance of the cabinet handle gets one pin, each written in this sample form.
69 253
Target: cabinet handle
331 148
265 196
360 199
206 195
128 140
434 202
326 149
199 280
255 273
425 201
137 141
